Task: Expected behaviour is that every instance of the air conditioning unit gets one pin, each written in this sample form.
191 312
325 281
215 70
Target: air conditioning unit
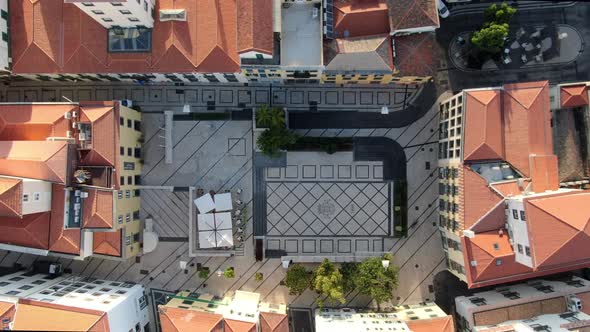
172 15
75 114
67 115
574 304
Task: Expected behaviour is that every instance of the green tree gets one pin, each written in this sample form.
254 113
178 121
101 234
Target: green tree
328 282
258 276
298 279
204 272
229 273
491 38
349 272
376 281
274 139
499 14
267 117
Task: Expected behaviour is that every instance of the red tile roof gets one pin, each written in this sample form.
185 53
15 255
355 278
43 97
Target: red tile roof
574 95
559 225
417 54
442 324
105 135
51 36
372 53
239 326
360 18
411 14
33 122
11 197
483 126
61 240
510 188
44 316
183 320
30 231
255 26
107 243
271 322
98 209
478 198
7 310
43 160
544 173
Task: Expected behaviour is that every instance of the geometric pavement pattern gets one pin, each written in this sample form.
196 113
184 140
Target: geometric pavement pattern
328 208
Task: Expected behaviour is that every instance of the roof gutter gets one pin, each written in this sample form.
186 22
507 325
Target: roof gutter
25 250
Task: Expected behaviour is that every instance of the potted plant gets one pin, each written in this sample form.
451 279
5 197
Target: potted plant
204 273
229 273
258 276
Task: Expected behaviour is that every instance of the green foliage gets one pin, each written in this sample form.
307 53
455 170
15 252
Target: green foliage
274 139
229 273
298 279
348 271
327 281
491 38
499 14
375 281
258 276
269 117
204 273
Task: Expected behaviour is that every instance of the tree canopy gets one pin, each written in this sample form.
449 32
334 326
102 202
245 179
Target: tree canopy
375 281
499 13
298 279
328 282
490 38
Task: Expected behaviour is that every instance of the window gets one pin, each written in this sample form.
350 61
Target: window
120 194
127 240
122 181
133 19
527 250
128 217
130 39
129 180
142 302
444 241
97 12
498 262
145 6
522 217
137 152
88 4
515 214
5 36
129 151
136 215
128 166
121 121
136 191
137 125
122 151
129 123
107 19
125 12
116 4
519 246
36 197
120 219
25 198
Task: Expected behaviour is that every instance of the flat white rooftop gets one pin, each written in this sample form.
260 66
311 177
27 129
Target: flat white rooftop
301 35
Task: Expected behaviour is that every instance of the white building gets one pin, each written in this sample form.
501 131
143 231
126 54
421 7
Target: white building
119 13
526 306
5 40
34 301
416 318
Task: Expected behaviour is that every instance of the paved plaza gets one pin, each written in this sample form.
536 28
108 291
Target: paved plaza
217 155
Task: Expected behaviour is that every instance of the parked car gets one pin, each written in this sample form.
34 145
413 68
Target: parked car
443 11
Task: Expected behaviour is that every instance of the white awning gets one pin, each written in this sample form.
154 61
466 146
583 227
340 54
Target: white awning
207 239
223 220
206 222
223 202
225 238
205 203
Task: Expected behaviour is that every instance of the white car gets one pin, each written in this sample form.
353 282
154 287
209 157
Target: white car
443 11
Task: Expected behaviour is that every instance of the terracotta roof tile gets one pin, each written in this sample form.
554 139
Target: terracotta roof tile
11 197
359 18
107 243
442 324
574 95
105 135
483 126
544 173
372 53
98 209
183 320
239 326
61 240
56 37
41 160
41 316
478 198
510 188
255 26
417 54
30 231
7 310
33 122
409 14
272 322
